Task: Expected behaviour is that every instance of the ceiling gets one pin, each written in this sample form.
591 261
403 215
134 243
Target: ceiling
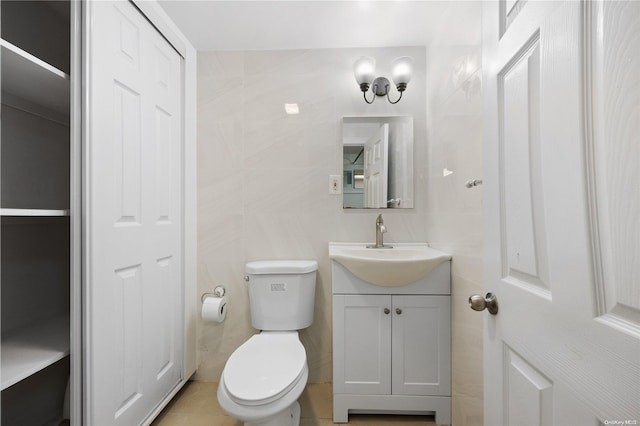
271 25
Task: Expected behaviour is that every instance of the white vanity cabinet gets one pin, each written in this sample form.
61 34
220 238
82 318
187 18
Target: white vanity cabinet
391 346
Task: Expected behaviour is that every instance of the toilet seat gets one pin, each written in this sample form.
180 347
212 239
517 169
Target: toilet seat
264 368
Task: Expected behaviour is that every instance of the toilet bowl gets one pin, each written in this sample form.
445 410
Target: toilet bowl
264 378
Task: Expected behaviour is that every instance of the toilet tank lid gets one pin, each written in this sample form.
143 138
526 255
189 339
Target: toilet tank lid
281 267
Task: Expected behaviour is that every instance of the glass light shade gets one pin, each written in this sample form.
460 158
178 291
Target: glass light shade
364 70
401 70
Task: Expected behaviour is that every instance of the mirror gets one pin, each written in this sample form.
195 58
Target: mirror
377 159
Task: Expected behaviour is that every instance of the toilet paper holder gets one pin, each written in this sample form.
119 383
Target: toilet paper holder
219 291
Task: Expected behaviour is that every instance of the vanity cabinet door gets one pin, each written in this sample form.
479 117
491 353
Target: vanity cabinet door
421 346
362 344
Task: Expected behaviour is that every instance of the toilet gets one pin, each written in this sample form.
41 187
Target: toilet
263 379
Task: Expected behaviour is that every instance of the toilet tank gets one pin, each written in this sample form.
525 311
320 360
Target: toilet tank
282 293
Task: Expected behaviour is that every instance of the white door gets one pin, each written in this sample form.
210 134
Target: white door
562 208
362 344
376 168
421 345
133 236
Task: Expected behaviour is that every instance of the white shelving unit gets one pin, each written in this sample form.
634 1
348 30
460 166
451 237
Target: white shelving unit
35 195
31 79
33 213
27 350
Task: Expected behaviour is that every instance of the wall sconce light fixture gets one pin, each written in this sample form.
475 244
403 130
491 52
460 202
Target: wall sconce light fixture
364 70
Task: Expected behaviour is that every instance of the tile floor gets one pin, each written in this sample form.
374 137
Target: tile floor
196 405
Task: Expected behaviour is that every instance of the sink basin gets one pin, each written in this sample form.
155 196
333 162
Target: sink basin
403 264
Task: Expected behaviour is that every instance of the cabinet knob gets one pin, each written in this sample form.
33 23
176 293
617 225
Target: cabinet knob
386 311
398 311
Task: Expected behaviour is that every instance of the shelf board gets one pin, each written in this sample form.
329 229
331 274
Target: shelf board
30 78
28 350
33 212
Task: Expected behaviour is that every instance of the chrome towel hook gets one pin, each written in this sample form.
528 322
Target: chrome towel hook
472 183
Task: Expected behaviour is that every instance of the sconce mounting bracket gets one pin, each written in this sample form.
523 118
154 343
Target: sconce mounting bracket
380 86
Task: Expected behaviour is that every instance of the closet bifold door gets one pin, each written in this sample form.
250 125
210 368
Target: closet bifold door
35 212
133 221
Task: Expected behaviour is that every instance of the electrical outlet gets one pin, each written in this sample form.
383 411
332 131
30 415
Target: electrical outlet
335 184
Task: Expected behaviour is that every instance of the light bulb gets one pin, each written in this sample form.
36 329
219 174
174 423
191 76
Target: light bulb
364 70
401 70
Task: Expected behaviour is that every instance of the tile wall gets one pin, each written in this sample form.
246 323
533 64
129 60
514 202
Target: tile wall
454 212
263 178
263 184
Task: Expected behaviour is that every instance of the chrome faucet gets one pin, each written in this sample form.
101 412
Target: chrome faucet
380 229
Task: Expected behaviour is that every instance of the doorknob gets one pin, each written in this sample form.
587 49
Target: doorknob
479 303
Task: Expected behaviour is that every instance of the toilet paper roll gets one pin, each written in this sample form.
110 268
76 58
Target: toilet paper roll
214 309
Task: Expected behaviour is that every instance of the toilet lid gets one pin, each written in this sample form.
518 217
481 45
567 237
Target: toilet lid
265 366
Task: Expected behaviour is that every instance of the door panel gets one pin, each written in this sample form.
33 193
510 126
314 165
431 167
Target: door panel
527 393
376 168
563 347
128 325
614 161
524 251
134 302
127 146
